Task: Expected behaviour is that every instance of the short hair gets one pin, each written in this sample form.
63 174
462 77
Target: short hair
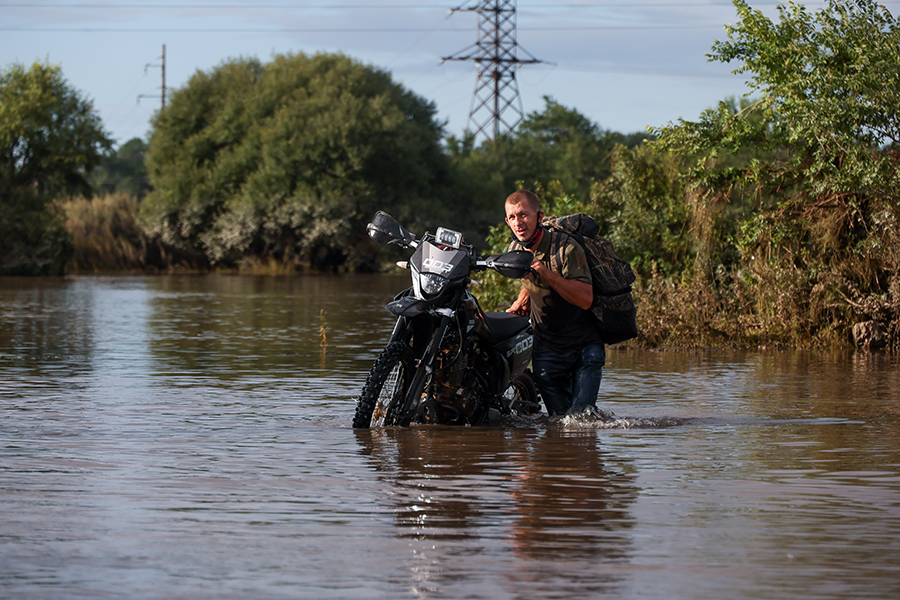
526 197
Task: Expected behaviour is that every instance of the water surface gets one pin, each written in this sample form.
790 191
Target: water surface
188 436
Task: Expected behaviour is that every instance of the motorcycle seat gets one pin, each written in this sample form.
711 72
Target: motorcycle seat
504 325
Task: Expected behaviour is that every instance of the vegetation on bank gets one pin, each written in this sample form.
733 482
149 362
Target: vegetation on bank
50 140
775 220
770 220
794 196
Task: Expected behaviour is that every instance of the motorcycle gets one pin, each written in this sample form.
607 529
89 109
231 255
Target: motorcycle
447 361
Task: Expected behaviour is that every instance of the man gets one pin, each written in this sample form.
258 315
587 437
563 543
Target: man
568 354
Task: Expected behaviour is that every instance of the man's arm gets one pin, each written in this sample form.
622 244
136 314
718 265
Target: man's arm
575 292
522 304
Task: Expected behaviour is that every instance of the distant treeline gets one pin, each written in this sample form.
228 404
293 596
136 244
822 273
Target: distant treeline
771 220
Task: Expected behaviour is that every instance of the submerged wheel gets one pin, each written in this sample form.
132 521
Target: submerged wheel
385 386
521 395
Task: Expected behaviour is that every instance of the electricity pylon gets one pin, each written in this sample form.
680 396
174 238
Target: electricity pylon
496 106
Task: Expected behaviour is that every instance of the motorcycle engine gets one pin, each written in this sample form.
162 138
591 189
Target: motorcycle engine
457 392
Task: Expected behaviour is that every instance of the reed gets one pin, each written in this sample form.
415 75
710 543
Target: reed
104 233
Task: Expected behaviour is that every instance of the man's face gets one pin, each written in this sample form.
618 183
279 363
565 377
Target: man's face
522 220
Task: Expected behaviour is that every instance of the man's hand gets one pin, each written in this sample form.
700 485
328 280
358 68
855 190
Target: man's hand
540 269
575 292
522 305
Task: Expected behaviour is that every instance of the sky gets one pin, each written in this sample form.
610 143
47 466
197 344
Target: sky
625 64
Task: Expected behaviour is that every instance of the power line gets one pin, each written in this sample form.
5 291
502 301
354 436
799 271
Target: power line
294 7
338 30
334 29
138 6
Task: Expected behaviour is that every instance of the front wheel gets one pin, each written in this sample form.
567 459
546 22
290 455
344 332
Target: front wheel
385 386
521 395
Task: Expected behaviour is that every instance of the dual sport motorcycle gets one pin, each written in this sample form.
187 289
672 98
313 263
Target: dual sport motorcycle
447 361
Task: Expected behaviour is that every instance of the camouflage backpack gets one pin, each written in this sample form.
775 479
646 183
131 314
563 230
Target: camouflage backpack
613 306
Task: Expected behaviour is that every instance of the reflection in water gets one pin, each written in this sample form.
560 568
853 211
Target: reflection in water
552 495
571 501
46 326
239 324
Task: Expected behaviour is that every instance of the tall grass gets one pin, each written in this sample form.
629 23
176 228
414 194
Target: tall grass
105 234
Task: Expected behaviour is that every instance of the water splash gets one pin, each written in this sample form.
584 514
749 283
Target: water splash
603 419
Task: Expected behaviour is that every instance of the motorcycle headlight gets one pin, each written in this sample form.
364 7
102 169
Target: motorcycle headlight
432 284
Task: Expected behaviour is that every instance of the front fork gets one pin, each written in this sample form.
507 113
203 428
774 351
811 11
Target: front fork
425 368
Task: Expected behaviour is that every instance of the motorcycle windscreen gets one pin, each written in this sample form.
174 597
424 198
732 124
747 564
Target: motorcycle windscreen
451 264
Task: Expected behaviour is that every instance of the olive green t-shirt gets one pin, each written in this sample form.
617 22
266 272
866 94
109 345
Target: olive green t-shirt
558 324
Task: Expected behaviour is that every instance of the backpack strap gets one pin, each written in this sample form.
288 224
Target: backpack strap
555 249
557 243
561 234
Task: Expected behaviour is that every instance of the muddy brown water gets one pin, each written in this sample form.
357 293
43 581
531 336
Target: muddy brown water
188 437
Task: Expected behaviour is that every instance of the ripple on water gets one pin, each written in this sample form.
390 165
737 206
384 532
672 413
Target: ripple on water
189 437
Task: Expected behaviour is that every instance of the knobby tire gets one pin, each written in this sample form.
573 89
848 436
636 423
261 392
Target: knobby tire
524 395
385 385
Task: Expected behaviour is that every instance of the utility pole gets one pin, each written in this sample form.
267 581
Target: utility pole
496 105
162 66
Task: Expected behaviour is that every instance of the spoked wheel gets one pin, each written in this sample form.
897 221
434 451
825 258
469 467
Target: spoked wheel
385 387
521 395
397 413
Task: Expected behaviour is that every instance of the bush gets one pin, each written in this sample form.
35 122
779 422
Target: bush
32 238
286 162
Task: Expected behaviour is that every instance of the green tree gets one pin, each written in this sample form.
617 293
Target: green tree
287 161
819 247
561 144
642 210
123 171
50 140
556 147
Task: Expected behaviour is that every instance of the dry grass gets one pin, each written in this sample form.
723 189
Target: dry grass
770 307
104 233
